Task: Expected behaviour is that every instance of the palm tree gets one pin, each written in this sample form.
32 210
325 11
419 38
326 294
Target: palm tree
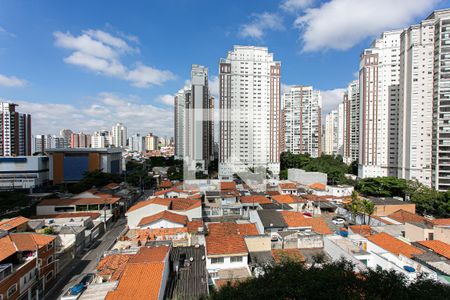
354 207
368 207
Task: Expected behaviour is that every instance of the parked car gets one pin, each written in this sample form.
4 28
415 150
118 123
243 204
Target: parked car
75 291
338 221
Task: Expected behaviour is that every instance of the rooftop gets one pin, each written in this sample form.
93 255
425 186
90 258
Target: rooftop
388 201
280 255
170 203
230 228
394 245
78 201
113 265
404 216
271 218
255 199
287 199
164 215
217 244
11 224
438 247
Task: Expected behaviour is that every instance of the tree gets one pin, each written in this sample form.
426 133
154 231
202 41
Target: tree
355 206
368 208
332 280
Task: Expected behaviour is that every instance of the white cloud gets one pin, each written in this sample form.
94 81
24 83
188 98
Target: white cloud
331 99
295 5
261 23
6 32
11 81
285 87
341 24
166 99
99 112
100 52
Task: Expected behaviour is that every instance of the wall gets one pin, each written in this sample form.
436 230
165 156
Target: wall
442 234
254 218
227 264
415 233
306 178
134 217
162 224
384 210
337 253
258 243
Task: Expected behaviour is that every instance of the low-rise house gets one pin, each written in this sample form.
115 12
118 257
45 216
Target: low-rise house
288 188
253 202
164 219
268 221
339 190
145 275
295 202
17 224
191 208
27 265
387 206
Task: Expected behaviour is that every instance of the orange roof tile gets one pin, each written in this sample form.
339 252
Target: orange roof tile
287 199
364 230
225 244
404 216
288 186
192 226
227 185
7 248
13 223
111 186
113 265
30 241
255 199
291 254
171 203
394 245
150 254
165 184
320 226
141 281
295 219
144 235
230 228
272 193
247 229
318 186
166 215
437 246
441 222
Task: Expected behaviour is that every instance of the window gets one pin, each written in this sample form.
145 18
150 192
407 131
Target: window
217 260
50 260
49 246
430 236
235 259
49 276
12 289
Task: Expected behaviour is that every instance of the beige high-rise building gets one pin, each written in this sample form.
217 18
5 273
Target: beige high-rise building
350 147
250 111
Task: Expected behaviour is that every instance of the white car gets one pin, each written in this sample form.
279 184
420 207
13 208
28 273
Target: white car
338 221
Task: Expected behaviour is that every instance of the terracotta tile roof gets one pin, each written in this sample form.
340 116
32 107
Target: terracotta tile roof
140 281
272 193
160 193
437 246
225 244
441 222
166 215
29 241
7 248
92 215
255 199
78 201
287 199
144 235
295 219
150 255
170 203
113 265
13 223
192 226
292 254
247 229
111 186
227 185
404 216
320 226
165 184
288 186
364 230
318 186
394 245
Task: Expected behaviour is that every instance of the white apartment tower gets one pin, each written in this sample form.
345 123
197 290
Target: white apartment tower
250 111
350 151
379 100
441 101
302 120
119 135
416 102
180 105
331 132
15 131
101 139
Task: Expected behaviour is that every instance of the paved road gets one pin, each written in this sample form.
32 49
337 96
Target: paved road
81 266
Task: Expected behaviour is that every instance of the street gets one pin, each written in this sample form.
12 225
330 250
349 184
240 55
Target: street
81 266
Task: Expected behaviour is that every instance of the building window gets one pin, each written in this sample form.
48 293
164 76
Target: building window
50 260
217 260
12 289
236 259
49 276
49 246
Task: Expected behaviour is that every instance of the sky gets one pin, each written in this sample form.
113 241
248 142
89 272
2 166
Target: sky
85 65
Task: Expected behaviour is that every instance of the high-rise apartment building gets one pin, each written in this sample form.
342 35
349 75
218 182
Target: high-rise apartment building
416 102
379 100
302 120
441 101
66 134
80 140
198 121
151 142
350 119
331 146
180 100
250 111
43 142
101 139
136 143
119 135
15 131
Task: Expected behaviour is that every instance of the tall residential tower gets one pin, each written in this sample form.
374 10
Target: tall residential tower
15 131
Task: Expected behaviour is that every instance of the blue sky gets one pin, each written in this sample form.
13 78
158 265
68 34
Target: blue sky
87 64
